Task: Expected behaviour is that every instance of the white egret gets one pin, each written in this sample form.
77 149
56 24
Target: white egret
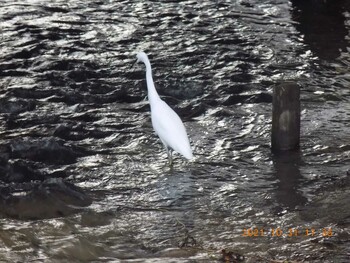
166 123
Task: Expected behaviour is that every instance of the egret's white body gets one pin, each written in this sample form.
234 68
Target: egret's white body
166 123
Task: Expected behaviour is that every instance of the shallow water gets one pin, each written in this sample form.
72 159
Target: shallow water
71 108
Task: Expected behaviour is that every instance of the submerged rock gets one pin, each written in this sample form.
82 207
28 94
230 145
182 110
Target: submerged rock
16 106
47 150
29 189
19 171
48 199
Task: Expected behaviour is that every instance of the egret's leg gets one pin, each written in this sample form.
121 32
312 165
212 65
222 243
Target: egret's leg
170 155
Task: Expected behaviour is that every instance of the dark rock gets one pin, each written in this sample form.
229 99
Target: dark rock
191 111
19 171
22 171
48 199
16 106
47 150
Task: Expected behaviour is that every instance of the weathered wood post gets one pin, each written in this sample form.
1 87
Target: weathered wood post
285 117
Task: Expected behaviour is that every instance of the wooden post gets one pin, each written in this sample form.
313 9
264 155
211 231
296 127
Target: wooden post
285 134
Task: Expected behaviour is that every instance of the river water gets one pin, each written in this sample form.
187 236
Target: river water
83 176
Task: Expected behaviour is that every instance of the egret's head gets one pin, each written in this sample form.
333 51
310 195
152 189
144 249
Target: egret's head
141 57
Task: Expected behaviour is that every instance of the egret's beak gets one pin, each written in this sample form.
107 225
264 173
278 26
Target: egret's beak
133 64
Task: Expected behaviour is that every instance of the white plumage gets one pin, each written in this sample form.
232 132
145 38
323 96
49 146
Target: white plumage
166 123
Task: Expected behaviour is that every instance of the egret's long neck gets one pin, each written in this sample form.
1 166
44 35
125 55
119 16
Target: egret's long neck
152 92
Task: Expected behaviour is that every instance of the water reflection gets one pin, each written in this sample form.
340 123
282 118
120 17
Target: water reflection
287 171
323 25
